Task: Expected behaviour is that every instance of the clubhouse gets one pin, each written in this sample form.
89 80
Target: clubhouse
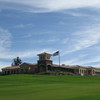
45 64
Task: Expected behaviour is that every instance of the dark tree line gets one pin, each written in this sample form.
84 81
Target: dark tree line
16 61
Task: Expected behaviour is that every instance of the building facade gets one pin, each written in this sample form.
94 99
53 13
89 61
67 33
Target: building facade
45 64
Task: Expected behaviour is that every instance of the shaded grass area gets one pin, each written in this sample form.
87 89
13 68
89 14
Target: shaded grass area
49 87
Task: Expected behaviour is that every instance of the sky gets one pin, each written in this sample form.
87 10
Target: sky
31 27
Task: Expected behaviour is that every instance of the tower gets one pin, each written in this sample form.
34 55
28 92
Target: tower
44 62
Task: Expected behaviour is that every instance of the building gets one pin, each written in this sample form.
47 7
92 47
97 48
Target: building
21 69
45 64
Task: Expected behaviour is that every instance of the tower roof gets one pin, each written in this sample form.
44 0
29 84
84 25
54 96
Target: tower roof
44 53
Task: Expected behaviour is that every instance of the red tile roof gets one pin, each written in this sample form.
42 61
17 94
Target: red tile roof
12 67
72 66
44 53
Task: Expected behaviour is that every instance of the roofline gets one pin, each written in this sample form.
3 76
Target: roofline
44 53
11 67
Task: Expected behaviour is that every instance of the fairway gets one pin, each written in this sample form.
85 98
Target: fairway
45 87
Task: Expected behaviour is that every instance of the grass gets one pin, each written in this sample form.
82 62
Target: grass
49 87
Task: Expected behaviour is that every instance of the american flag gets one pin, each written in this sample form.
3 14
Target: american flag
56 53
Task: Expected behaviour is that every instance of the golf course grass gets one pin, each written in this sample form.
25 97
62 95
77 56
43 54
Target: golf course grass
49 87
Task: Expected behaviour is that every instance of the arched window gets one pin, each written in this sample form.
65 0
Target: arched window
49 67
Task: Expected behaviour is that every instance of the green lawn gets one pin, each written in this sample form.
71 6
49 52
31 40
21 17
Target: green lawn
45 87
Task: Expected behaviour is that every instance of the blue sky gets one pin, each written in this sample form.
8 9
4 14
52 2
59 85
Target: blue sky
28 28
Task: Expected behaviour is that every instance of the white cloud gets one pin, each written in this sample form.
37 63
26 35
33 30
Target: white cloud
62 23
4 64
77 14
5 44
66 40
88 61
22 54
84 39
97 65
83 59
5 40
24 25
83 55
30 53
54 40
70 62
7 53
49 5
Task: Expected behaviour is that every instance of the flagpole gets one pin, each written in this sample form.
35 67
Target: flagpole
57 53
59 59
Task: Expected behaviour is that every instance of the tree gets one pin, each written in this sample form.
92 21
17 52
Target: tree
16 61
